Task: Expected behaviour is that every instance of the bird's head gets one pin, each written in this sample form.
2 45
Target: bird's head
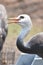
3 19
3 13
23 20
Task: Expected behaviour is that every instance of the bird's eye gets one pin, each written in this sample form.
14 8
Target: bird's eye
21 17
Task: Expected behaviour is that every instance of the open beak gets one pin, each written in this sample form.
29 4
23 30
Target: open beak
13 20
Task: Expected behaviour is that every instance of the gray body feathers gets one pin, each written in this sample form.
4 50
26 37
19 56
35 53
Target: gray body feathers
34 46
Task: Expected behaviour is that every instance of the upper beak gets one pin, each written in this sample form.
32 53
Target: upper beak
13 20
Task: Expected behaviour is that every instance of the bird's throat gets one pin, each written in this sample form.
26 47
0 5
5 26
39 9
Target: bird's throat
24 32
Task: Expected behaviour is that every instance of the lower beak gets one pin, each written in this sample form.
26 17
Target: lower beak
13 20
